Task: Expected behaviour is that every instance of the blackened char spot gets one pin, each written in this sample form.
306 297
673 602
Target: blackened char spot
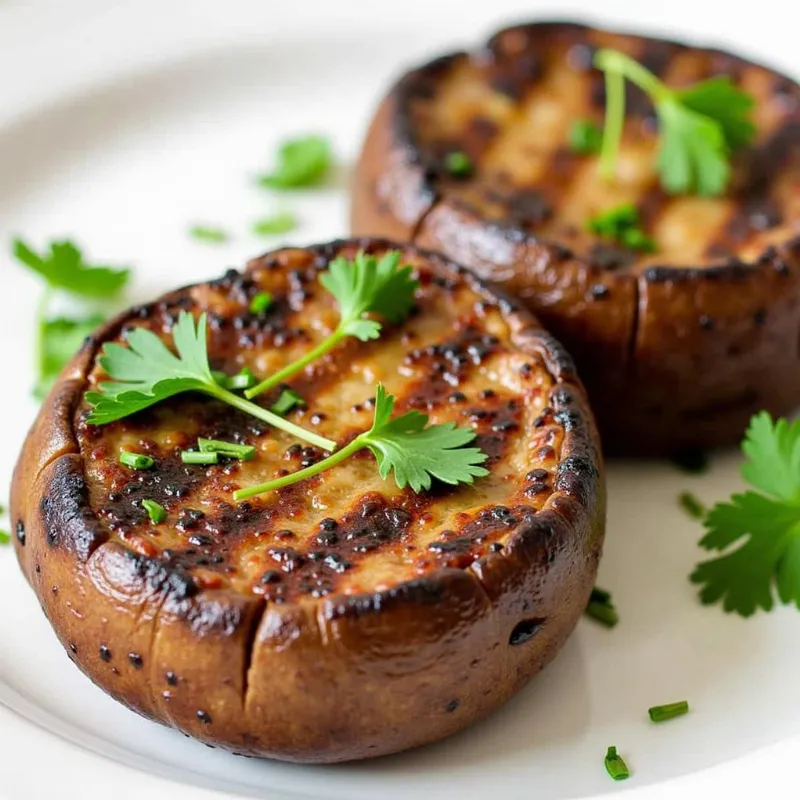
525 630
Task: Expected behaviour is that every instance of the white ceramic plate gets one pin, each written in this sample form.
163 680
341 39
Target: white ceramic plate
121 124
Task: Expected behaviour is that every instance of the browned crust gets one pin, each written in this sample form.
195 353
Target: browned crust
346 678
672 358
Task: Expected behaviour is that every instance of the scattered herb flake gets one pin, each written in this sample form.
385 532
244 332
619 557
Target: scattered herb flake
458 164
197 457
668 711
699 127
282 222
135 460
244 452
692 506
5 537
260 303
766 519
415 451
287 400
585 137
155 511
304 161
208 234
615 766
621 225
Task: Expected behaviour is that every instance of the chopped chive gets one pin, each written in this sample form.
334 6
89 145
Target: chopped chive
219 376
282 222
244 452
615 766
600 596
604 613
692 506
458 164
196 457
135 460
260 303
208 233
695 462
585 137
5 537
243 379
286 402
155 511
668 711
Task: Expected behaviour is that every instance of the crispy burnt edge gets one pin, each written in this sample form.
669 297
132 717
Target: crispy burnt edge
725 337
308 682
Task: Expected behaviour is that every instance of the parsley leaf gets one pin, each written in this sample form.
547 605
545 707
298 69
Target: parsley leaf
768 520
64 268
407 446
699 126
304 161
147 371
60 339
365 285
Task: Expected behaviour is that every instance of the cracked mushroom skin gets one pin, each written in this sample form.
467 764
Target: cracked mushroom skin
342 617
677 348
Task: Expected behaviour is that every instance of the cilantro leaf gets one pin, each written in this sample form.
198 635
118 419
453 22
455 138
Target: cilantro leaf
64 268
301 162
407 446
365 285
418 453
147 372
60 339
767 521
699 126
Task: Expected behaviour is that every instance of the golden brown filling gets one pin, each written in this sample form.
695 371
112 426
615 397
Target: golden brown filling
345 530
511 109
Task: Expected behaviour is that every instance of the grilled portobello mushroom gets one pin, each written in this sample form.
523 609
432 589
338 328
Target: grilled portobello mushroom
678 347
341 617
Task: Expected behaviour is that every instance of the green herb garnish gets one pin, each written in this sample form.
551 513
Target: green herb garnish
668 711
60 339
304 161
458 164
691 505
198 457
5 537
260 303
135 460
282 222
767 519
155 511
209 234
244 452
287 400
415 451
621 225
585 137
365 285
615 766
243 379
601 608
699 126
146 372
64 269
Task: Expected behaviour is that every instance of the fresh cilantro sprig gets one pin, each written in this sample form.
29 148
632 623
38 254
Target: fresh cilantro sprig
767 521
415 451
63 268
365 285
699 126
147 371
304 161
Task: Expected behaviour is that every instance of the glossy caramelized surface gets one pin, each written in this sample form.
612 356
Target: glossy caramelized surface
346 530
510 107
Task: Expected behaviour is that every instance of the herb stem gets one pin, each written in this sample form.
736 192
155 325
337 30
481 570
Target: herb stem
615 122
271 419
614 61
309 472
282 375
